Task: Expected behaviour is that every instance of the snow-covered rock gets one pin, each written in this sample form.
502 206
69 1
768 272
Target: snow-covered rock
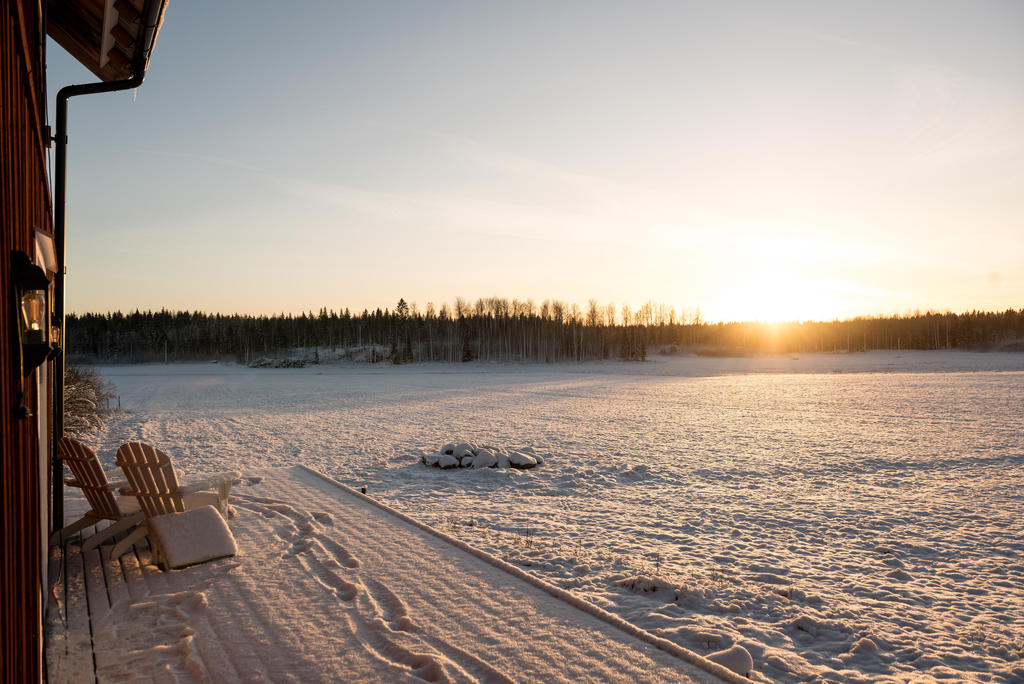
485 458
520 460
468 455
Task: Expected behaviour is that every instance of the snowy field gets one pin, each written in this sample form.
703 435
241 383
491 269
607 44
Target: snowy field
841 517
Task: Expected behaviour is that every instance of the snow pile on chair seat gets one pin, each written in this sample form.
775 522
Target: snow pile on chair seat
195 536
736 658
468 455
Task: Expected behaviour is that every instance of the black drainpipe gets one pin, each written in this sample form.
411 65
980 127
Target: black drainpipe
150 18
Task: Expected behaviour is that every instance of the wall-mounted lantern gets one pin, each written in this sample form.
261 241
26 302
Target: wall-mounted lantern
32 309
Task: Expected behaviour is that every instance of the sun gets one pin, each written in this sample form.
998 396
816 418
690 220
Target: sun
773 296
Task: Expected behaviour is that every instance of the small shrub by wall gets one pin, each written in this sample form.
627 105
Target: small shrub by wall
87 398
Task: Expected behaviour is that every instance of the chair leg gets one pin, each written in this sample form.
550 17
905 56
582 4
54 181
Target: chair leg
224 491
120 547
157 554
61 535
117 527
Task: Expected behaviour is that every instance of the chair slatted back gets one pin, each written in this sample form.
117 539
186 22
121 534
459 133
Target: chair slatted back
151 475
89 477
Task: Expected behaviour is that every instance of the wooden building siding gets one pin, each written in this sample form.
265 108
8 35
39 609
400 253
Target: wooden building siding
24 205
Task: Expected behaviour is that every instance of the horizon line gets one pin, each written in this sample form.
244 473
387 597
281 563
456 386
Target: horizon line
582 317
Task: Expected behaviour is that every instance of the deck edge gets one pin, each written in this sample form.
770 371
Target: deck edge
678 651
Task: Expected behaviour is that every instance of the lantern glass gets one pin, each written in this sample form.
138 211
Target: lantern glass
34 318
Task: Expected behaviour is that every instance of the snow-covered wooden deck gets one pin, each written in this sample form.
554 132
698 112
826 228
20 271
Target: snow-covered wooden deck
330 586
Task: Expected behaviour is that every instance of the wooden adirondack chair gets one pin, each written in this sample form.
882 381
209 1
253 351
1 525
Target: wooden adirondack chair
153 482
88 475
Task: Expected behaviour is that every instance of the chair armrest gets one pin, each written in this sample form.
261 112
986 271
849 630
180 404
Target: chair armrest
210 482
110 486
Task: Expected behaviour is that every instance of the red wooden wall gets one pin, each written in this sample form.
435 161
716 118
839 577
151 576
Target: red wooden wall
24 205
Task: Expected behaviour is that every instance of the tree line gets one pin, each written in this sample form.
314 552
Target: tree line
496 329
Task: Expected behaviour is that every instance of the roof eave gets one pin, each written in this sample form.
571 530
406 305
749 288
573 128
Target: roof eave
108 37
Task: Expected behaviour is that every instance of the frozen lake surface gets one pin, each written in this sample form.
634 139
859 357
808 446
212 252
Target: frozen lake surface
839 516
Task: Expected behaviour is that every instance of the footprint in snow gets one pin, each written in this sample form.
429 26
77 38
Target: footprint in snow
340 553
387 606
323 518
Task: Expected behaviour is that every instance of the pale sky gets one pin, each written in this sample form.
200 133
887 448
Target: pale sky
782 160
